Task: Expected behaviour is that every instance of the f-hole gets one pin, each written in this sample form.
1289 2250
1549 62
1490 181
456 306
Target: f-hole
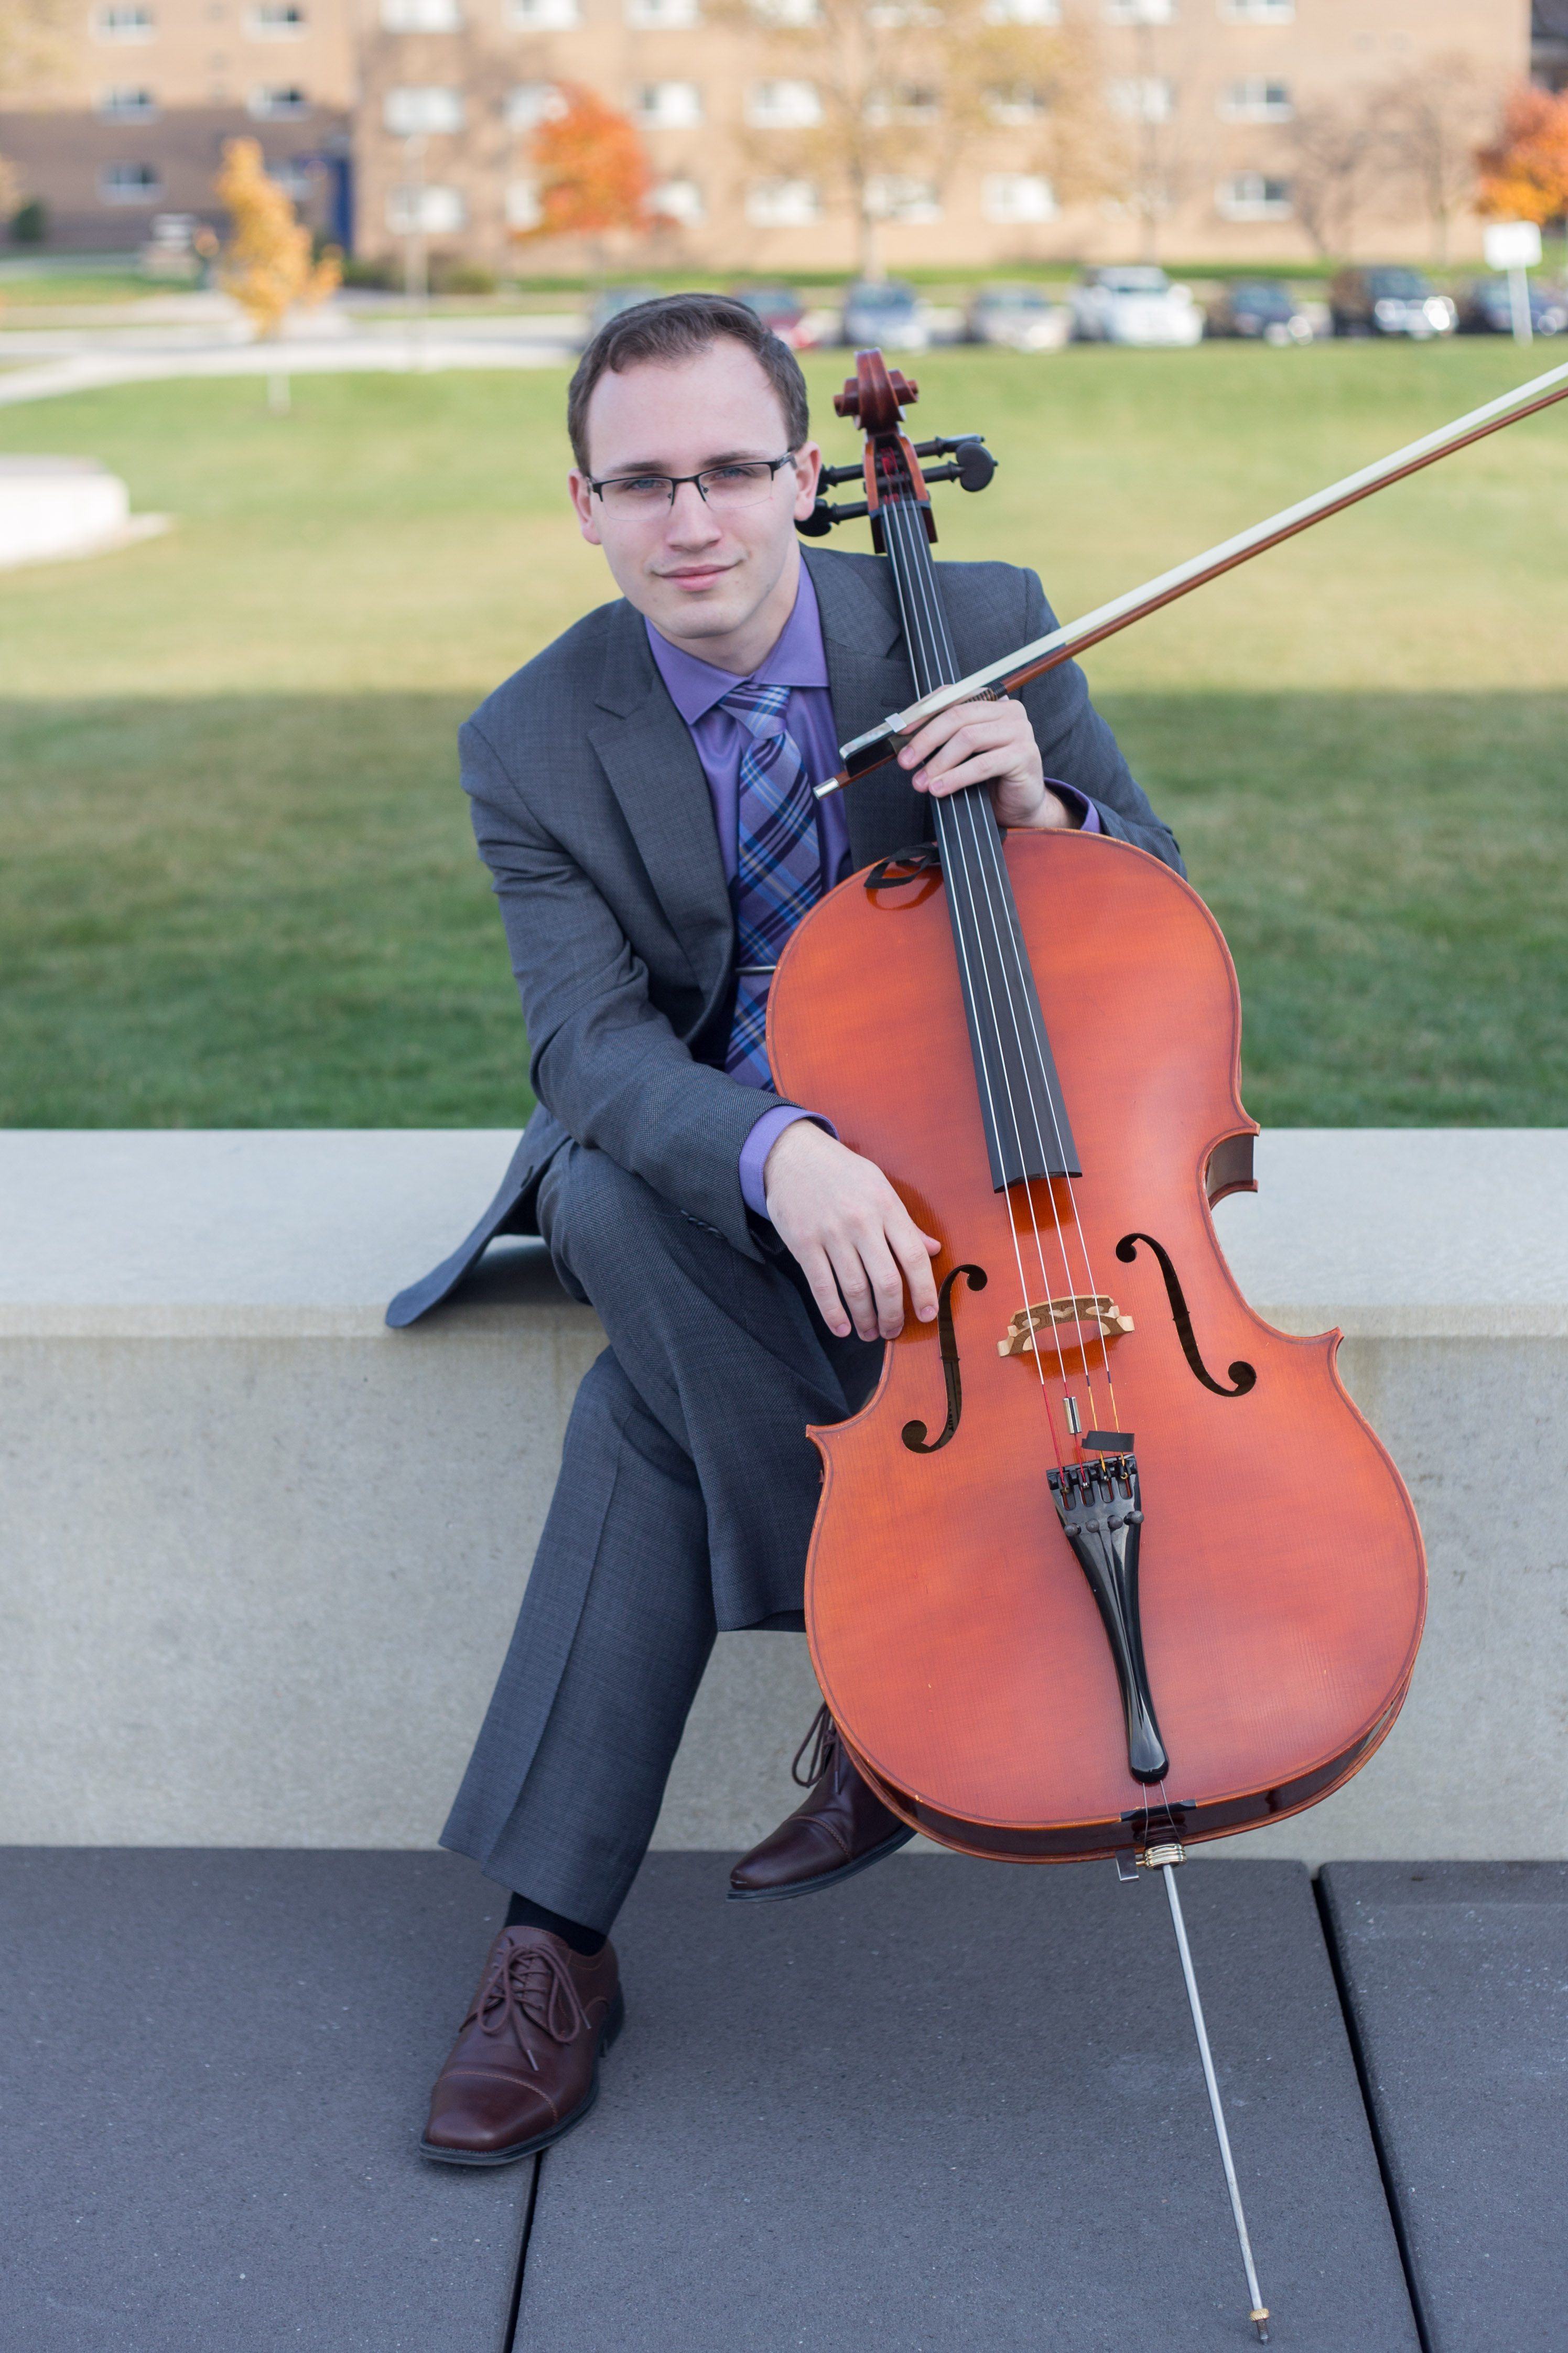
914 1433
1243 1375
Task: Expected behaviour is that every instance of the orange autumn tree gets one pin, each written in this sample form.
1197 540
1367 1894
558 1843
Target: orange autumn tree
592 174
267 264
1525 170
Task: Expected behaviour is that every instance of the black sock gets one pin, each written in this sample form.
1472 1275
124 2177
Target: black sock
523 1914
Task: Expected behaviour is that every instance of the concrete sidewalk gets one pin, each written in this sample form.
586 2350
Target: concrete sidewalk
952 2104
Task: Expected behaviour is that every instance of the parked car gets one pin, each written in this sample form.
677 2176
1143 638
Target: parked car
1020 317
782 310
1262 308
1486 308
612 301
1387 301
1135 305
886 312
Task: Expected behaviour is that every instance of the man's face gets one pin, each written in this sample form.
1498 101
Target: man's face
698 574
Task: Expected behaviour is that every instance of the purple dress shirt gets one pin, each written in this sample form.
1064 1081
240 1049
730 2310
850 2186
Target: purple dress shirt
696 690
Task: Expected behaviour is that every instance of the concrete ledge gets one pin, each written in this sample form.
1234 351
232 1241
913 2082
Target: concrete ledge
261 1555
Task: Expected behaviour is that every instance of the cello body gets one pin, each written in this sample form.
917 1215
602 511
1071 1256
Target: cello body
1279 1582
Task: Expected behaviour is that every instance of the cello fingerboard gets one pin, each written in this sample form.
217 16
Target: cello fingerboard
1024 1116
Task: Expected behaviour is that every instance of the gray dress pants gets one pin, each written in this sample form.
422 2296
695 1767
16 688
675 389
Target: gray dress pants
684 1507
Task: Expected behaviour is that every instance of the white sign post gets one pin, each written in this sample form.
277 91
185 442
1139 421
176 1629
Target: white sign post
1514 245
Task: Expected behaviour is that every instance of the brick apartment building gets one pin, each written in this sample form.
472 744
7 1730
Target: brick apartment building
133 119
384 115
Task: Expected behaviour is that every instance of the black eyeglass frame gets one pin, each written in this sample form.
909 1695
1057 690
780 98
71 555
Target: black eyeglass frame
678 482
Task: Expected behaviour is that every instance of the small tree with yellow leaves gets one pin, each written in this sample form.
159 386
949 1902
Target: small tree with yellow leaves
1524 167
267 264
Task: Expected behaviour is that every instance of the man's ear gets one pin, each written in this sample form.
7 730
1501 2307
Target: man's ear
582 499
807 466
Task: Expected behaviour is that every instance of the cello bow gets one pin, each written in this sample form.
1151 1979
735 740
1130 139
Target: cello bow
880 743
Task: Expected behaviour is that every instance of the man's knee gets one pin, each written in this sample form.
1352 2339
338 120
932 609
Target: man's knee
602 1223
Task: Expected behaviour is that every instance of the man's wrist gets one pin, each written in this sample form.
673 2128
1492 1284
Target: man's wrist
763 1134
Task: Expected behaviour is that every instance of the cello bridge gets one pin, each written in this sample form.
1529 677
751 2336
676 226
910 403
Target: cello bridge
1095 1314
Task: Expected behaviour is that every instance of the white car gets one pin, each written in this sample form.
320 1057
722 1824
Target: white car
1135 305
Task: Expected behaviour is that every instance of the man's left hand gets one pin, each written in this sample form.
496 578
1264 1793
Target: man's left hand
987 744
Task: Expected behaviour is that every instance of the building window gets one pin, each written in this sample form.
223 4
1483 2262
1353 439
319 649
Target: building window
679 201
534 102
783 204
521 206
1143 98
410 111
127 105
421 16
663 16
783 105
543 16
125 21
1013 104
1258 12
130 184
435 212
1022 12
1017 197
906 101
278 105
667 105
1257 100
276 20
787 15
1139 12
890 196
1250 196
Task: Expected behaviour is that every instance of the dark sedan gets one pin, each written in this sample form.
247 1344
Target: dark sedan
1390 301
1486 308
1263 309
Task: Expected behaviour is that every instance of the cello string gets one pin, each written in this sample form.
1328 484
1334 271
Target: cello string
907 571
949 818
924 574
924 579
1072 1197
993 901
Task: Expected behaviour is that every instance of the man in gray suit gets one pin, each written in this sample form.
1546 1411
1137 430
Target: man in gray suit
641 794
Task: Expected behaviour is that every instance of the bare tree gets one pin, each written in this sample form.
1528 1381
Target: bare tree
879 101
1431 121
1337 152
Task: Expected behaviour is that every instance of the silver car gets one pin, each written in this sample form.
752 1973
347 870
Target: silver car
1019 317
1134 304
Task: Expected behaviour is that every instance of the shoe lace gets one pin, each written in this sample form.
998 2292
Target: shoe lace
530 1986
822 1739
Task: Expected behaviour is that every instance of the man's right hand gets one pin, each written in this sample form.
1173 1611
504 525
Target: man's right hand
837 1213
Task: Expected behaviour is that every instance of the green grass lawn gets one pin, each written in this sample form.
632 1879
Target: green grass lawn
239 885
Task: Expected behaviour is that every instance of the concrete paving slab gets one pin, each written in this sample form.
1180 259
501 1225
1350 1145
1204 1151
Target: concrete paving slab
214 2069
1457 1979
958 2105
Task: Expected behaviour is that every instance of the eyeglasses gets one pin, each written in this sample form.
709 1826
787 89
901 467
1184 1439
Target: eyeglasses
746 483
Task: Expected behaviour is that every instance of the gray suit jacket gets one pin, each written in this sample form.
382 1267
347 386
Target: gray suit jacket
593 813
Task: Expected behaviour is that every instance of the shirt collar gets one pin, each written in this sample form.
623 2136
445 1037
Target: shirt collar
797 658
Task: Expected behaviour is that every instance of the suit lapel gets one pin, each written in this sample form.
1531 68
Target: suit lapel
651 762
868 678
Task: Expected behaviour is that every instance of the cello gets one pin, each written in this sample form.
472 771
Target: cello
1105 1567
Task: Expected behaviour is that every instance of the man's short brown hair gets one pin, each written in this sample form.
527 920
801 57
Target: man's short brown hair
676 327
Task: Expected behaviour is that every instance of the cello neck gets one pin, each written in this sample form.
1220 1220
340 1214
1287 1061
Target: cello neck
1027 1132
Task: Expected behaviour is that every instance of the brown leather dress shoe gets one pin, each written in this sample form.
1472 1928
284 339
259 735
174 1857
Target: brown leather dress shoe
842 1827
525 2067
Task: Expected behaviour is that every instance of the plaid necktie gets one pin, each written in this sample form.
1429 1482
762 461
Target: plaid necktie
778 872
